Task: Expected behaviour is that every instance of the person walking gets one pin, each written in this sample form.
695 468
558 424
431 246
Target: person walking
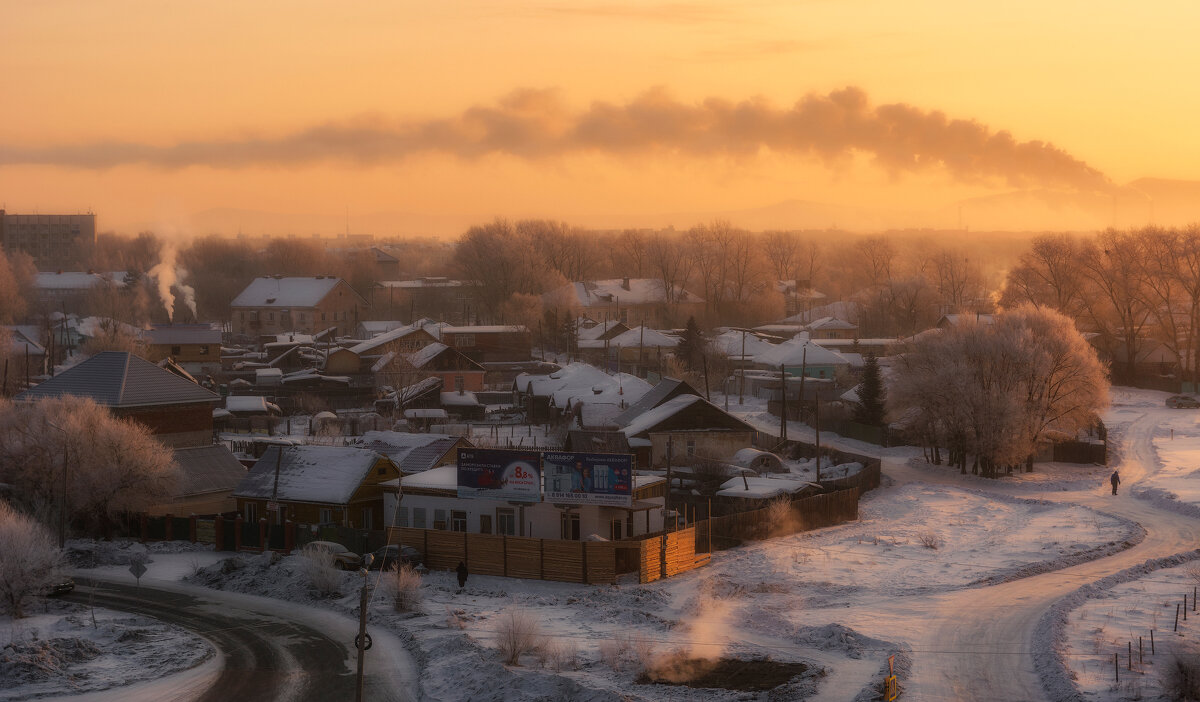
462 571
1115 480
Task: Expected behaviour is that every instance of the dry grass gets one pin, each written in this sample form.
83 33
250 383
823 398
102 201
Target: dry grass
517 633
322 574
612 651
929 540
405 584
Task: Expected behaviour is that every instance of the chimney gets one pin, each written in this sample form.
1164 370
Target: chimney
625 283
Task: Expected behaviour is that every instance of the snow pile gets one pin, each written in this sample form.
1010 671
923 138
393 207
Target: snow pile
92 553
61 652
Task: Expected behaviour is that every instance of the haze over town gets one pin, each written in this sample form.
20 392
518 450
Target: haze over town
599 351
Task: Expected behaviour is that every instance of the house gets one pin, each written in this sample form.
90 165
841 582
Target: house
434 296
637 350
740 346
414 453
666 389
800 356
577 391
317 485
208 476
490 344
436 360
686 426
831 328
386 265
361 357
431 501
195 347
798 295
630 300
74 289
177 411
25 355
276 305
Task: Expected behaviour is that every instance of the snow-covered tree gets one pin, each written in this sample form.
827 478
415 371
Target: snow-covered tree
29 561
70 454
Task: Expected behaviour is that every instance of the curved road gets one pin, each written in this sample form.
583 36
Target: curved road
979 646
263 655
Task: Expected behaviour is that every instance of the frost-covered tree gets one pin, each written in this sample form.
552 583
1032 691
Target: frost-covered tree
29 561
71 456
996 391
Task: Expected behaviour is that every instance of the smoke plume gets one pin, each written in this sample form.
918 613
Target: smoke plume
536 124
168 275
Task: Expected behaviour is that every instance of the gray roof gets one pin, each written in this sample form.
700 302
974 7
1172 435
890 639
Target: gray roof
666 389
183 334
207 469
320 474
413 453
286 292
121 379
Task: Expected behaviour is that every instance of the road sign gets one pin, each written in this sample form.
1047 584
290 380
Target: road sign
891 690
138 568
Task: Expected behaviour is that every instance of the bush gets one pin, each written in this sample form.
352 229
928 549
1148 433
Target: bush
29 560
612 651
929 539
517 633
1181 678
405 583
319 568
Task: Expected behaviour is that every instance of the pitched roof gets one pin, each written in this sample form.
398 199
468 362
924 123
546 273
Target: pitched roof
657 416
182 334
631 291
832 323
798 350
666 389
412 452
120 379
387 337
322 474
207 469
285 292
641 337
418 359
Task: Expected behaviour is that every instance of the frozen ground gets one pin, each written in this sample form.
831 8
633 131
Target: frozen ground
66 649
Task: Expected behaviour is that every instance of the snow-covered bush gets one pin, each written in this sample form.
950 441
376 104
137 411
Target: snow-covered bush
29 560
517 633
322 574
404 584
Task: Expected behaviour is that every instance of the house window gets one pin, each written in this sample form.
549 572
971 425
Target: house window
322 316
570 526
419 518
368 518
459 385
458 521
439 519
251 512
326 516
270 316
402 516
691 447
175 350
506 522
463 340
203 350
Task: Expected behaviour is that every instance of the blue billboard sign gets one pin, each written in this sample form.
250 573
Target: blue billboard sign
589 478
495 474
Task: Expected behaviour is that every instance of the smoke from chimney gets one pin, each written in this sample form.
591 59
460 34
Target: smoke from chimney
168 275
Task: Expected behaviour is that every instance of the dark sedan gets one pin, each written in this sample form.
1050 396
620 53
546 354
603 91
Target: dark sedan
389 555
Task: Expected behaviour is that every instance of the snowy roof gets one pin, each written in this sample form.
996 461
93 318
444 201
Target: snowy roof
77 280
797 350
22 341
376 327
268 373
182 334
831 323
207 469
657 395
385 338
600 414
670 408
247 403
418 359
730 344
286 292
412 452
597 331
441 478
648 338
434 282
761 488
323 474
425 413
459 399
952 320
491 329
631 291
120 379
580 382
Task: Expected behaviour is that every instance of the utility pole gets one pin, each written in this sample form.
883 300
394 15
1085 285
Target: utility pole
803 373
783 407
817 413
662 551
362 642
742 370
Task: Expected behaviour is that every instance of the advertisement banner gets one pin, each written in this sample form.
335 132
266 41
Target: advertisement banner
494 474
589 478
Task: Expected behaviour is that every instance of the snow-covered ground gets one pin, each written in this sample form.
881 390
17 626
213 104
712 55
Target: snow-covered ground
67 649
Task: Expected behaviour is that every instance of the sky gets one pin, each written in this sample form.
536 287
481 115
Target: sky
422 118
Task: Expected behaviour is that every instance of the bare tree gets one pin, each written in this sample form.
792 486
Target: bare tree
1048 275
29 561
783 251
1115 303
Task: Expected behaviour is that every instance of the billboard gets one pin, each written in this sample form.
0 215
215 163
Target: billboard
494 474
589 478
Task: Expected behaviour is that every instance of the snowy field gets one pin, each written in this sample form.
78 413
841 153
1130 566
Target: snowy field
65 649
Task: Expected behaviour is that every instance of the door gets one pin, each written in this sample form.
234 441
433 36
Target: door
485 524
570 526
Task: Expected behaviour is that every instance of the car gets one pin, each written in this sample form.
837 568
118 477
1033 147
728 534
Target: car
343 558
1183 402
387 556
60 586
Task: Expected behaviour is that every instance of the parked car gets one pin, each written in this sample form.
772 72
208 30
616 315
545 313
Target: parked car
60 587
389 555
1183 402
343 558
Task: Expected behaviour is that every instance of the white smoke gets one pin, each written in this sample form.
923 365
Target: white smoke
168 275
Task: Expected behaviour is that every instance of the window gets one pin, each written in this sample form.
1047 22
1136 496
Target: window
615 532
203 350
691 447
419 518
175 350
462 340
402 517
251 512
322 316
570 526
301 316
270 316
458 521
506 522
459 385
439 519
368 518
326 516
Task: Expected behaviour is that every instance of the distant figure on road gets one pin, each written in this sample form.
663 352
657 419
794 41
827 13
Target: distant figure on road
462 570
1115 480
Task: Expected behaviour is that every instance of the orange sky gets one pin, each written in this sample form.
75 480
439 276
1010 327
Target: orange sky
271 100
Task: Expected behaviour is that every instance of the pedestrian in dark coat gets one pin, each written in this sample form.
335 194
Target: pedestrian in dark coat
1115 480
462 575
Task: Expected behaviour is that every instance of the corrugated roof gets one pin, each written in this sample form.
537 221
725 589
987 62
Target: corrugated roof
207 469
665 390
321 474
120 379
285 292
183 334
